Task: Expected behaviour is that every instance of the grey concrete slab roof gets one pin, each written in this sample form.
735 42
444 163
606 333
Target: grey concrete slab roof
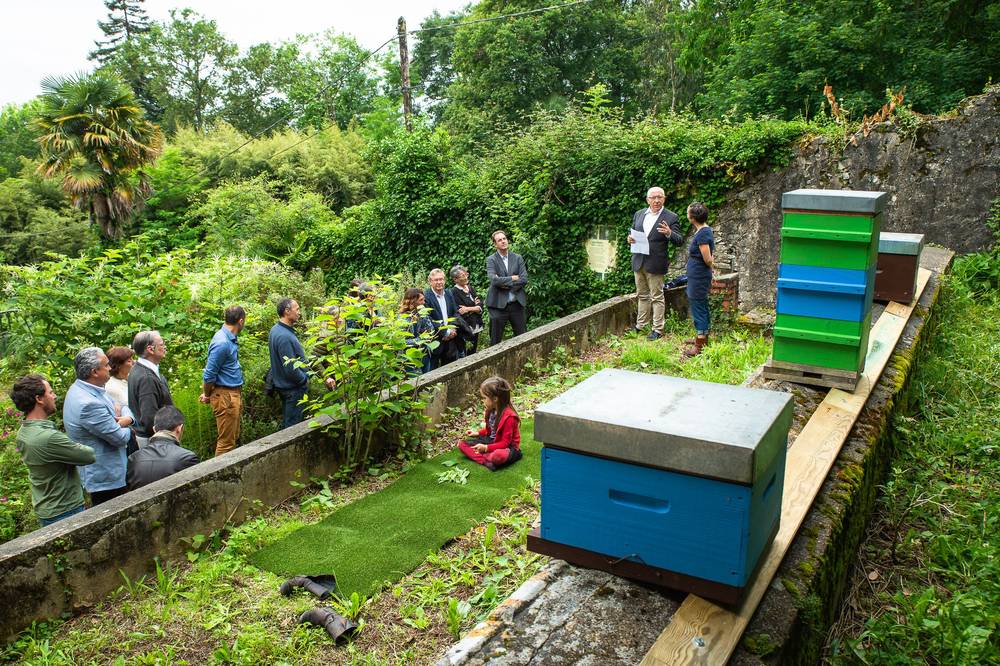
893 243
714 430
839 201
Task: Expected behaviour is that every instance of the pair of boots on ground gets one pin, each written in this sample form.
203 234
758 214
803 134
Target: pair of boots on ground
336 625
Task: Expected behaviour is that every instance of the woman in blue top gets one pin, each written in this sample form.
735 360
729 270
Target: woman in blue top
699 272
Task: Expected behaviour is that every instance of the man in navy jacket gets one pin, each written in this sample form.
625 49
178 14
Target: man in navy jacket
288 359
443 308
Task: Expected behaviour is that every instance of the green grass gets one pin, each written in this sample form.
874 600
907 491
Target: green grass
387 534
933 547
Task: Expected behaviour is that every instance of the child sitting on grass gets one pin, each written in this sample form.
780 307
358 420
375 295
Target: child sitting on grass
499 443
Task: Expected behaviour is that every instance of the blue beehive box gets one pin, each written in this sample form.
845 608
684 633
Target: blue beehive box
827 293
678 475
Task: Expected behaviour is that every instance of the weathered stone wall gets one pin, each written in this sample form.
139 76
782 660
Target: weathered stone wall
941 178
75 562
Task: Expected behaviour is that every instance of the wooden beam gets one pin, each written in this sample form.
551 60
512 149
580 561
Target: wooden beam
703 633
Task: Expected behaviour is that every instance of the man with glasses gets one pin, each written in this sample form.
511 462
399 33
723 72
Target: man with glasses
659 226
147 389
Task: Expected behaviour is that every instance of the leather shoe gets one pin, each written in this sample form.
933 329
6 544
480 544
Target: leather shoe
653 335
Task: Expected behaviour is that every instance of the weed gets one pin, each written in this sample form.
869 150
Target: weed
457 612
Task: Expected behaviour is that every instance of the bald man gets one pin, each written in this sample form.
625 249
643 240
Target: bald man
661 228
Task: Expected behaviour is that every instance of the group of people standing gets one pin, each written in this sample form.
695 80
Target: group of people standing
455 315
122 430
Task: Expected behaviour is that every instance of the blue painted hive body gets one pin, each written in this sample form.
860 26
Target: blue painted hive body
676 474
827 293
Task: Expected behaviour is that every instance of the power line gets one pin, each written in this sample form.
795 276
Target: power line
490 19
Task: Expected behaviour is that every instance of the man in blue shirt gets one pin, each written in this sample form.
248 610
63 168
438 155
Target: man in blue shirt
287 359
91 418
222 380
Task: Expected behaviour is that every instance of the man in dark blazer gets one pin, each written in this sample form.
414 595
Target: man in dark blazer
443 308
660 228
505 298
147 389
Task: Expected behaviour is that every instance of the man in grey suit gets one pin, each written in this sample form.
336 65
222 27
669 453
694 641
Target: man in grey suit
505 298
660 227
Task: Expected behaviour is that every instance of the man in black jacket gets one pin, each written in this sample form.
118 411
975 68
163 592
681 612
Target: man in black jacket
147 389
443 313
163 454
659 227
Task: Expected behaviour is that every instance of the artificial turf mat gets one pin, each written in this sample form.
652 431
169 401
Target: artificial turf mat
387 534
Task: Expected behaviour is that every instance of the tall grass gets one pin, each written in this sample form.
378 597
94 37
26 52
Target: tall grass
929 586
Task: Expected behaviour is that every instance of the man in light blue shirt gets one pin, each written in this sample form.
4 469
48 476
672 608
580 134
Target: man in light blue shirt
222 380
91 418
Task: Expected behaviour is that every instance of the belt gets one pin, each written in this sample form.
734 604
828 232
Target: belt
231 388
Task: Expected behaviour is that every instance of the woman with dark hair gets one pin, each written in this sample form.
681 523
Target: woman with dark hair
120 361
699 273
416 322
470 307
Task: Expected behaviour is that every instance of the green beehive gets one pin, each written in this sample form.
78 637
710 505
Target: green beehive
855 250
825 343
831 228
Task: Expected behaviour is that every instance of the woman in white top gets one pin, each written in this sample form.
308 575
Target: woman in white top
120 360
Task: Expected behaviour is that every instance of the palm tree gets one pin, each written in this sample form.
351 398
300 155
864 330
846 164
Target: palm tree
96 136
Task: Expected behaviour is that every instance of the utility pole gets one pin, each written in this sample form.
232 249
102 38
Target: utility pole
404 71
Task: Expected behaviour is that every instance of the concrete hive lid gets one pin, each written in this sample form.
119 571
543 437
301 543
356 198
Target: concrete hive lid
714 430
894 243
837 201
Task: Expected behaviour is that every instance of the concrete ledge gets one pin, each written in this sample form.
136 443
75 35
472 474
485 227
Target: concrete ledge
72 564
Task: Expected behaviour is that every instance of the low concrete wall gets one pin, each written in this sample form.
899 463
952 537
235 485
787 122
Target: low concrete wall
72 564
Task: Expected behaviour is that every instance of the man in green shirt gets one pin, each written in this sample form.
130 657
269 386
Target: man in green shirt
50 455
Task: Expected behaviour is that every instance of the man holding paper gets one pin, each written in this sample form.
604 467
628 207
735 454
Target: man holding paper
652 229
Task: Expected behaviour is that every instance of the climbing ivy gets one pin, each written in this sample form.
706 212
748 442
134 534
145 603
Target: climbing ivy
549 186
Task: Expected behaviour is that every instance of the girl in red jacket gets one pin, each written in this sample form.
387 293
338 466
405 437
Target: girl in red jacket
499 443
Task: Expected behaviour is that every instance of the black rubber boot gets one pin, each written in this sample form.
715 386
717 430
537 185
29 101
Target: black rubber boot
319 586
335 625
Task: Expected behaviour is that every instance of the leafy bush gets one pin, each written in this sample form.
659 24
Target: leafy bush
363 346
36 218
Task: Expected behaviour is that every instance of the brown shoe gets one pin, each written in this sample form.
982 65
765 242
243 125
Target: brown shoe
695 349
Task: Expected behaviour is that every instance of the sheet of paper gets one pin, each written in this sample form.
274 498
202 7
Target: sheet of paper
641 244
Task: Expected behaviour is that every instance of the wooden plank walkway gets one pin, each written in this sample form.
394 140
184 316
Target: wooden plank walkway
703 633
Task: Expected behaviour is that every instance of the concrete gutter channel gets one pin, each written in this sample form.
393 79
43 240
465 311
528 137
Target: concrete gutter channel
569 615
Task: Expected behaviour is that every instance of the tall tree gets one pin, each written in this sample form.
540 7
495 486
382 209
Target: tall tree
17 137
126 20
338 83
432 70
186 60
507 68
96 137
255 93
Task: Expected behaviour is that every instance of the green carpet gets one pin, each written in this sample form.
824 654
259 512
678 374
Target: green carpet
387 534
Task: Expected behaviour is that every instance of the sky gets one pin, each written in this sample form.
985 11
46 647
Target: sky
39 38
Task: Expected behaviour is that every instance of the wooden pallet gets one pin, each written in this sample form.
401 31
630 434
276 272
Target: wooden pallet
704 633
811 374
